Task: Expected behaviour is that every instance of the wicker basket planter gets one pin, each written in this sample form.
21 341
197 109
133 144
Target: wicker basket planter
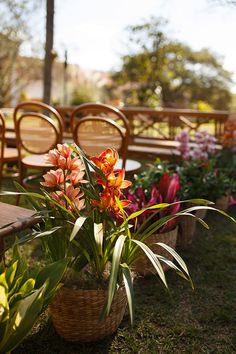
75 314
222 203
143 265
187 228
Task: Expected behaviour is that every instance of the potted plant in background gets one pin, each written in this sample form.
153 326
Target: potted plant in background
165 191
226 158
199 176
84 220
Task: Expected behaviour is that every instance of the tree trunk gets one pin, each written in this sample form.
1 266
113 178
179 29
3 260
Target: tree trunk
48 60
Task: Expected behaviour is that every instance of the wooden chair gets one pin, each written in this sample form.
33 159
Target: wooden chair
99 110
39 128
96 134
6 154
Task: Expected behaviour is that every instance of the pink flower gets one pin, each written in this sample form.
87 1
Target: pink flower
52 157
64 150
53 178
75 164
183 139
76 177
73 193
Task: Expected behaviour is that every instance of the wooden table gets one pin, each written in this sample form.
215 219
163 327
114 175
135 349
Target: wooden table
14 219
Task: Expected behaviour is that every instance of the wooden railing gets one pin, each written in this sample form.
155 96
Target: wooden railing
164 124
153 130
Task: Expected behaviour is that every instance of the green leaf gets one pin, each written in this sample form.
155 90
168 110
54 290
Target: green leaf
127 278
33 235
77 226
175 255
53 274
22 320
153 259
4 311
10 274
27 287
98 235
114 271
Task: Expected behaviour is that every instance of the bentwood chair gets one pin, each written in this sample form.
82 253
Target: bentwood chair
99 110
96 134
92 109
7 154
38 128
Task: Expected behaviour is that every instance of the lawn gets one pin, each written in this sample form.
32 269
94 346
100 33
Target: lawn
180 320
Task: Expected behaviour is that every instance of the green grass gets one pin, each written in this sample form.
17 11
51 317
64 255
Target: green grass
180 320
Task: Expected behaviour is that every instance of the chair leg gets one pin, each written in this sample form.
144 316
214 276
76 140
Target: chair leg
22 171
1 172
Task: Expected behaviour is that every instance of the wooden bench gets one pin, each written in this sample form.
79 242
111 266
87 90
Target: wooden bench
14 219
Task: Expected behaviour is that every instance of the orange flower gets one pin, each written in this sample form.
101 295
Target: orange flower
105 201
53 178
115 209
116 180
106 161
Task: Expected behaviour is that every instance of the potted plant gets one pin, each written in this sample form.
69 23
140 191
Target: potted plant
199 176
24 294
165 191
84 219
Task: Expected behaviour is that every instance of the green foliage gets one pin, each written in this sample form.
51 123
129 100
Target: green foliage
152 174
204 180
84 93
23 296
160 69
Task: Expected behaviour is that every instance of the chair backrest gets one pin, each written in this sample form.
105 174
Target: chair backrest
99 110
96 134
38 127
2 142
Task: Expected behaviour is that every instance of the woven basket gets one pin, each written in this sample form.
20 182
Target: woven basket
75 313
143 266
222 203
187 228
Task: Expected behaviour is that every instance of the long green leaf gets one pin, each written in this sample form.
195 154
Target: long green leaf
127 278
98 235
176 256
53 274
153 259
77 226
114 270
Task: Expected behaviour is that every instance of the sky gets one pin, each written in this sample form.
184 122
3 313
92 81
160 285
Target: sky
93 31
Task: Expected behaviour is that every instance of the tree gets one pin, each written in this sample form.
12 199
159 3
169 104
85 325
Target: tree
14 31
160 70
49 54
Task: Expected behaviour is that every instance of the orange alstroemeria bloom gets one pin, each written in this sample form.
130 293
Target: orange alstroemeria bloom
105 201
115 209
117 181
106 161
